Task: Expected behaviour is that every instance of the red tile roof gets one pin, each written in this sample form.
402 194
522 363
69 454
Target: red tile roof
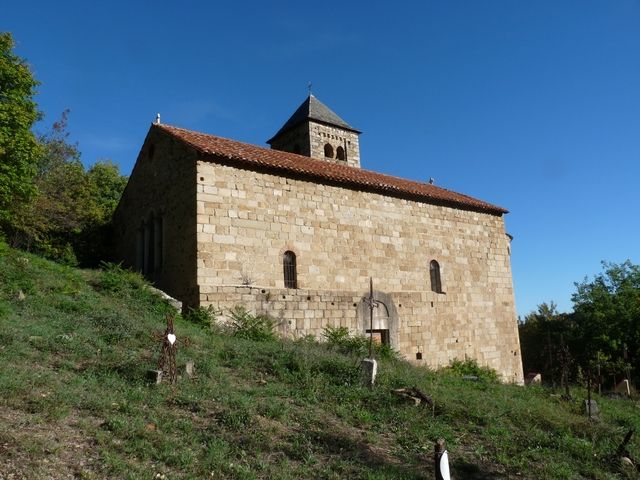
350 177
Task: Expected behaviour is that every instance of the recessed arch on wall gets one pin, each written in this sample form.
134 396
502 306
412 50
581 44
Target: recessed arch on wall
150 240
150 244
385 321
140 247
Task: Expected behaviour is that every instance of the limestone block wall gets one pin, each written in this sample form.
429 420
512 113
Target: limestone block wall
246 220
162 185
421 328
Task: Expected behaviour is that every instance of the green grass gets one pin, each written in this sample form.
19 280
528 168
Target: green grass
74 402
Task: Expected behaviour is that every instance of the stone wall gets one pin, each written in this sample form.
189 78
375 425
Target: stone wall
246 220
295 140
321 134
309 139
162 185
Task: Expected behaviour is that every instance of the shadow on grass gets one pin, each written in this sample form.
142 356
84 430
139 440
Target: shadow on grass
365 456
471 471
340 446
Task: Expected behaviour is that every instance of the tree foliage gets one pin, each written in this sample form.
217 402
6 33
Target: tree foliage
607 314
601 334
19 149
68 219
543 337
49 202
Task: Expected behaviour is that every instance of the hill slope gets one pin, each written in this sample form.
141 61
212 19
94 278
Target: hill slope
75 347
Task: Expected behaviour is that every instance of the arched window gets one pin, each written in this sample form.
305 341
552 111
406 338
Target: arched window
436 283
328 151
289 264
340 153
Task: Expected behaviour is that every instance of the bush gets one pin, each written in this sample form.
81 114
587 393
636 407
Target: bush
340 338
252 327
203 316
115 279
471 367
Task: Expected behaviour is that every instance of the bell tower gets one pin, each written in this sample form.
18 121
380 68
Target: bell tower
315 131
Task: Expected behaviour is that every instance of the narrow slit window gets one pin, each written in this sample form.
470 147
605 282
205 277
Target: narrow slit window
290 275
436 282
151 245
158 247
140 248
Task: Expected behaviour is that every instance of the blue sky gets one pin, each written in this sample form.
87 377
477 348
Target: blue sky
534 106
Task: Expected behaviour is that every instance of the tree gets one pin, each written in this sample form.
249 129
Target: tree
19 149
607 314
68 219
105 185
56 214
545 339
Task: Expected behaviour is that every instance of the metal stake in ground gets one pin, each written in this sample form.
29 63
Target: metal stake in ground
372 303
369 365
167 360
441 461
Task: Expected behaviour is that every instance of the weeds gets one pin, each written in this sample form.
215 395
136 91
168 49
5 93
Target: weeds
471 368
346 343
117 280
75 350
243 324
203 316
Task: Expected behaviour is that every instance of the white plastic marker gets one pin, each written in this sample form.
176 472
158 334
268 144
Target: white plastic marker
444 466
172 338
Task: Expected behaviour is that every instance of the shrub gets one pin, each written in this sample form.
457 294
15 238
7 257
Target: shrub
471 367
252 327
340 338
203 316
115 279
335 335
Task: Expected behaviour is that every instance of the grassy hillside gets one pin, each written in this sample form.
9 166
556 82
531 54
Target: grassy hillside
75 347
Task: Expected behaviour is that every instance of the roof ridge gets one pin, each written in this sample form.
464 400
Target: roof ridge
292 162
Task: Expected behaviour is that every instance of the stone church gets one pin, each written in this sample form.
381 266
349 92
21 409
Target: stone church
297 230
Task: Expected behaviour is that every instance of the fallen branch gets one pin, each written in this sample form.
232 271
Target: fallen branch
622 449
414 394
624 454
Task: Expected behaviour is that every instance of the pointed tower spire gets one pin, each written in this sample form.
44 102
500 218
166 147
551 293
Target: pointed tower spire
317 131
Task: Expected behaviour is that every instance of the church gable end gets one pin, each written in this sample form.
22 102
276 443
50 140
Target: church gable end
155 221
